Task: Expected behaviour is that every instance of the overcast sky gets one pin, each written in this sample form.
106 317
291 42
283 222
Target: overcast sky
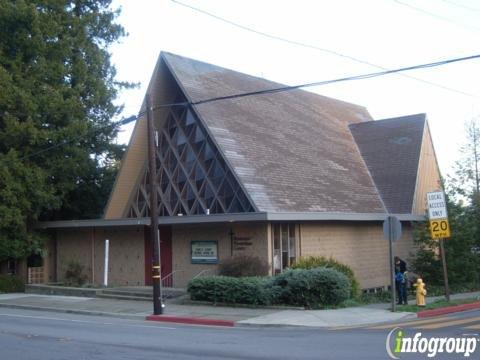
387 33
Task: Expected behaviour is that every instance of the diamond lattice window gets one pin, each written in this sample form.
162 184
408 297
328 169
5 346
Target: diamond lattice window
192 176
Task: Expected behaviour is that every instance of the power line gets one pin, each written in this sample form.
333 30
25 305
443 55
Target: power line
461 5
326 82
313 47
270 91
436 16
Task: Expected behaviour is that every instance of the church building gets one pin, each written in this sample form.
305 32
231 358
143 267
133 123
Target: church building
275 174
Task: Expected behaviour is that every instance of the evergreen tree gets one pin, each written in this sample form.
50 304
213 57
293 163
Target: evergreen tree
57 84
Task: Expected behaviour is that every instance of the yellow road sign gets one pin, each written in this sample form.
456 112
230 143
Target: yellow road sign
439 228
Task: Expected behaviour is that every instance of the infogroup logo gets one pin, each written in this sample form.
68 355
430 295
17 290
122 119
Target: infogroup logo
398 343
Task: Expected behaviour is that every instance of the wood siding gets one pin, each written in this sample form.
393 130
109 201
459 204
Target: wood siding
162 89
428 176
132 167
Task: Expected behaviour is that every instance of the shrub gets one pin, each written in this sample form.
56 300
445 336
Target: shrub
11 283
74 275
243 265
312 262
312 288
230 290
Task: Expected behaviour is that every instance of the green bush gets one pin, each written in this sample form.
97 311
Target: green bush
243 265
314 288
230 290
312 262
11 283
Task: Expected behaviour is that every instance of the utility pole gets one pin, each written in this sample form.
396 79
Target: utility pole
444 266
155 234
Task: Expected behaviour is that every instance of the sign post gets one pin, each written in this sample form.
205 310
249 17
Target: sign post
392 230
439 228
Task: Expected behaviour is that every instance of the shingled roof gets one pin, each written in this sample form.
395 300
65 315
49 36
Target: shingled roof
391 149
292 155
291 151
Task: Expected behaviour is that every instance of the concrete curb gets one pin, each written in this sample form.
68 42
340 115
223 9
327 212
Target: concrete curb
238 306
161 318
190 320
448 310
69 311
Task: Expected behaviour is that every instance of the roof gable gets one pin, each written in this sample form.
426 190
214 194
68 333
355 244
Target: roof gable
391 149
292 151
288 152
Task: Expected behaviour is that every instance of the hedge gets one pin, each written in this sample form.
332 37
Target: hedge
230 290
11 283
314 288
312 262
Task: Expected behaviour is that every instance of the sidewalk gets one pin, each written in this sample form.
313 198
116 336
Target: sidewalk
430 299
139 310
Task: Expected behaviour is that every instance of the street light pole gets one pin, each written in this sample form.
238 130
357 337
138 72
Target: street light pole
155 235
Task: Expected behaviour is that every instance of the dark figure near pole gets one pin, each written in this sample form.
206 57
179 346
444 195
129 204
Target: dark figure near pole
401 280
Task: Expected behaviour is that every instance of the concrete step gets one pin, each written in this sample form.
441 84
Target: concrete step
138 294
123 297
126 293
119 292
45 289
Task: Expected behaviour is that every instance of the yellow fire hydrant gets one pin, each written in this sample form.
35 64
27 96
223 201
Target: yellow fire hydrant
420 292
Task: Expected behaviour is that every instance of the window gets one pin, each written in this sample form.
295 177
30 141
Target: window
284 246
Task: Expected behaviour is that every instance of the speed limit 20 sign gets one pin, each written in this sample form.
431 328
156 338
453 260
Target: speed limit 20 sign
437 212
439 229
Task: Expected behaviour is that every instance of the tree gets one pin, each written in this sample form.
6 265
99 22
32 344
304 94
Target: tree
462 249
57 86
464 187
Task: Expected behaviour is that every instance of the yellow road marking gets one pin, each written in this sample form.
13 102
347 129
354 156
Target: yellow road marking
449 323
408 323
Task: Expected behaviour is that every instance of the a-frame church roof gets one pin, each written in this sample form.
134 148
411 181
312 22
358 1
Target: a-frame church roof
288 152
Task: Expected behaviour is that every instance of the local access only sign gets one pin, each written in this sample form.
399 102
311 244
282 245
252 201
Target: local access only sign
437 213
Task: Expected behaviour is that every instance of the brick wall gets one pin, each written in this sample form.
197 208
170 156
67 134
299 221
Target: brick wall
184 234
126 260
360 245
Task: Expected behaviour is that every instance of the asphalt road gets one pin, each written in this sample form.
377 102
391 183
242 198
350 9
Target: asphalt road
45 335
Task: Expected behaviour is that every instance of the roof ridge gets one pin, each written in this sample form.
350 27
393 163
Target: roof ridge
273 83
420 116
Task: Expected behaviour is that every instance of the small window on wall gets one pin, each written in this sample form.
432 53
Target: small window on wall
284 246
